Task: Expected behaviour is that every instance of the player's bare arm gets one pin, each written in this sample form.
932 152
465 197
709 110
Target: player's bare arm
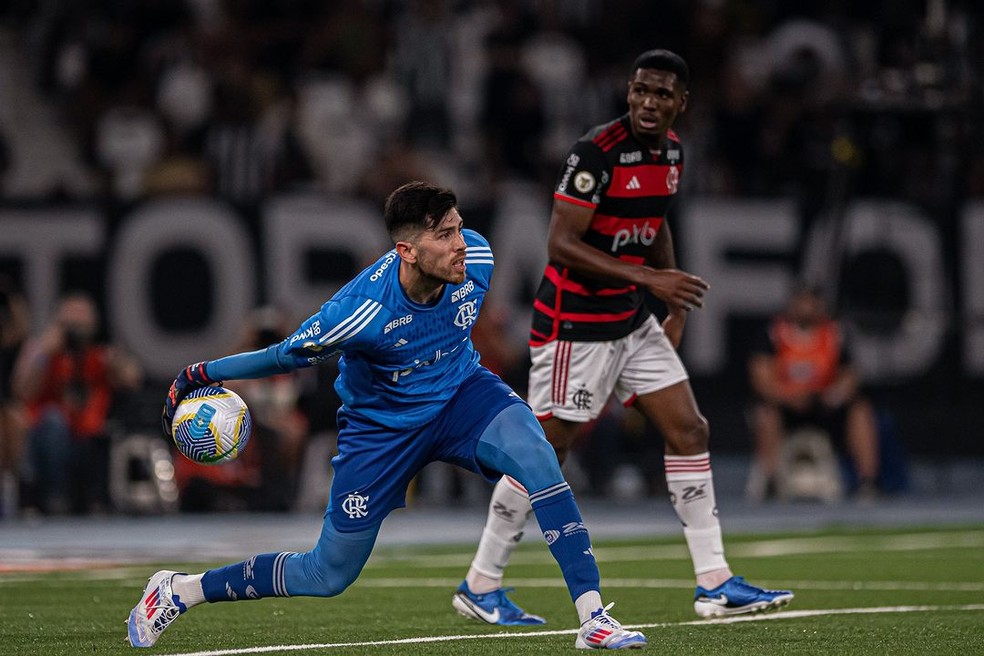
663 256
569 222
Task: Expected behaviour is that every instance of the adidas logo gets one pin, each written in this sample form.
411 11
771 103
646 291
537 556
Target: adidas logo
633 183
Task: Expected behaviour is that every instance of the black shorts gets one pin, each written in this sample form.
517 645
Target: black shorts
833 421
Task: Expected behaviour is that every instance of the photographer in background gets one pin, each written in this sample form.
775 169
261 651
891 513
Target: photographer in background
68 380
14 322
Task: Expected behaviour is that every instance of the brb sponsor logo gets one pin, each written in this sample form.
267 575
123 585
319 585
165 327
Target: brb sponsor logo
463 291
396 323
377 274
644 235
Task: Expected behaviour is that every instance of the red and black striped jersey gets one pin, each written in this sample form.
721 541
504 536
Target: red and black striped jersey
630 189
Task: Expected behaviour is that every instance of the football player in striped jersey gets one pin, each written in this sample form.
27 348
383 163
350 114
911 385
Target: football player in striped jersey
593 336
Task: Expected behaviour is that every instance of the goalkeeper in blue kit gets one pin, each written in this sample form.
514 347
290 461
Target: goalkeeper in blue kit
413 392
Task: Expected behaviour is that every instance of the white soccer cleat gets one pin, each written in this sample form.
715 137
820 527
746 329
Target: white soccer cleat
154 612
603 631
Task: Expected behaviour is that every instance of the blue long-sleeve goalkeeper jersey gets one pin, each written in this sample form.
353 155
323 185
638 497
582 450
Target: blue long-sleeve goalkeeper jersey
400 361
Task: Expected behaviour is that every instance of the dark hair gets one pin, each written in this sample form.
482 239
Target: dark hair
416 206
663 60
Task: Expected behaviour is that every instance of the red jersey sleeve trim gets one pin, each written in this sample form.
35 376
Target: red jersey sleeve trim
574 201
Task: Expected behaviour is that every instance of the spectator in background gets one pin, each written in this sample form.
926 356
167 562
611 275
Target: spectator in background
423 65
250 143
68 381
802 375
14 323
129 141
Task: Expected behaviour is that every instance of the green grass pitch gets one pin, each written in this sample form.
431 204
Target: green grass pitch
898 591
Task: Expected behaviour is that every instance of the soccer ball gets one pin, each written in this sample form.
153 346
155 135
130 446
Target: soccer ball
211 425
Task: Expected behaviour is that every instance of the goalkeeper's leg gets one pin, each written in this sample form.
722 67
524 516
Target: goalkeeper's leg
325 571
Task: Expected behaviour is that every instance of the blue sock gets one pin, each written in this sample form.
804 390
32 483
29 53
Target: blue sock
560 521
260 576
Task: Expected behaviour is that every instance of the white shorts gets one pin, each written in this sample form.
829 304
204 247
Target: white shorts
573 380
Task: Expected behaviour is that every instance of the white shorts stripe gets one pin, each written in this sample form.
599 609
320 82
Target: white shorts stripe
561 367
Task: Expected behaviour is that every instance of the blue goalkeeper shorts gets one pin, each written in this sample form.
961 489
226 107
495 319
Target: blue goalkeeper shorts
375 464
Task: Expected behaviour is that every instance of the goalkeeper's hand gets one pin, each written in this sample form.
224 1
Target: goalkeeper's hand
190 379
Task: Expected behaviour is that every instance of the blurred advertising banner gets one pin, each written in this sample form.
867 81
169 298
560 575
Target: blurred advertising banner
177 276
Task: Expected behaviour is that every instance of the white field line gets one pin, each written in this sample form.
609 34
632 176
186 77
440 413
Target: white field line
783 615
755 549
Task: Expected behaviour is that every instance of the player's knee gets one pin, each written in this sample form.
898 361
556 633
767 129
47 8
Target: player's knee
514 444
329 575
337 582
542 468
561 435
333 564
692 436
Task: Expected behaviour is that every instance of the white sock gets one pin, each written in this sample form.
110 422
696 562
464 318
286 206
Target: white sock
691 486
188 588
586 604
509 509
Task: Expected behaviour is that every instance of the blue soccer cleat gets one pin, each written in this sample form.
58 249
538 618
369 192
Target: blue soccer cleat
492 607
602 631
736 597
154 612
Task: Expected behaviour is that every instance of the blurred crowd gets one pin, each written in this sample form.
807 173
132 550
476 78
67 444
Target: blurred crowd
244 98
80 433
241 98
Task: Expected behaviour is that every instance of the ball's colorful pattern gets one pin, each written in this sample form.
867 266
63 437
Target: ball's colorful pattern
211 425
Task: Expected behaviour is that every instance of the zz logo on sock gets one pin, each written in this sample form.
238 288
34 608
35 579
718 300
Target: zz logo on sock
502 511
692 492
